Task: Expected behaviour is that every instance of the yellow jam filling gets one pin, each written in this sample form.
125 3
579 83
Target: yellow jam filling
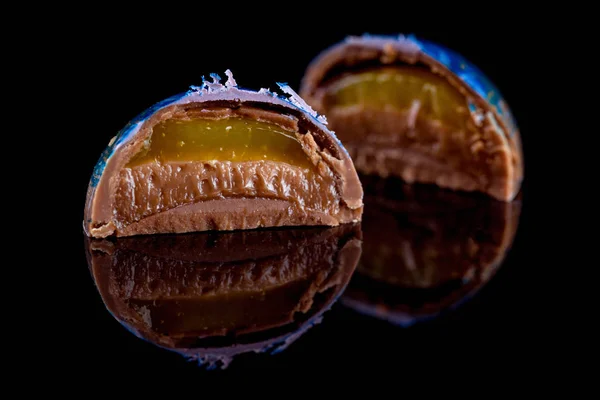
231 139
401 88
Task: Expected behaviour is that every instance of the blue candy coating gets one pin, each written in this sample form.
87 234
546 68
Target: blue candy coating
469 74
465 71
124 134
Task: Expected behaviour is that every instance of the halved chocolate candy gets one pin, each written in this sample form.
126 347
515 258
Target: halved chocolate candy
213 295
413 109
222 158
426 250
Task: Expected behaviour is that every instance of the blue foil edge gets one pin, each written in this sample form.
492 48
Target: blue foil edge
471 75
124 134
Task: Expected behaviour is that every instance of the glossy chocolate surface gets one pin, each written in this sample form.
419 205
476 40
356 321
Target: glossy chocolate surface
222 158
512 327
426 251
413 109
212 296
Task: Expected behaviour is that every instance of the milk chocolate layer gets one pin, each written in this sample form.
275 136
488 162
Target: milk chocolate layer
174 196
425 249
221 293
485 155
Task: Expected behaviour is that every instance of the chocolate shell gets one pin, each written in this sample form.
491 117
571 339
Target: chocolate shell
132 192
455 131
210 296
426 250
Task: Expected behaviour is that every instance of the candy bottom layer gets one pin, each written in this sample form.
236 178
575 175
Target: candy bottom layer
232 214
186 197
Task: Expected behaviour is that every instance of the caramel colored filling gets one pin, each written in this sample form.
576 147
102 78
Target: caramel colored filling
401 88
256 159
230 139
409 122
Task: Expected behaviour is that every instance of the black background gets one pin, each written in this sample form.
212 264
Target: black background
117 69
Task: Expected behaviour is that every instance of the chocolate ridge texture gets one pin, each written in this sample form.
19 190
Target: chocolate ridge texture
139 276
495 138
187 196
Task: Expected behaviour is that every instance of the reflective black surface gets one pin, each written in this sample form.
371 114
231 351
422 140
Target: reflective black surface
427 250
420 255
438 312
212 296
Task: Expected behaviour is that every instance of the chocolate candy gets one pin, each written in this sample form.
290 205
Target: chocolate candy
212 295
410 108
222 158
426 250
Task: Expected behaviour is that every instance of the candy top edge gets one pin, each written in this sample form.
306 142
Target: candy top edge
465 70
217 90
216 86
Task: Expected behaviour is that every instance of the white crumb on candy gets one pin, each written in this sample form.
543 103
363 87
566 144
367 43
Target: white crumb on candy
299 102
408 42
266 91
215 86
413 112
477 117
230 79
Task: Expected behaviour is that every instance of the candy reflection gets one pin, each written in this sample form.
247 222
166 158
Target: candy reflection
212 296
426 250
